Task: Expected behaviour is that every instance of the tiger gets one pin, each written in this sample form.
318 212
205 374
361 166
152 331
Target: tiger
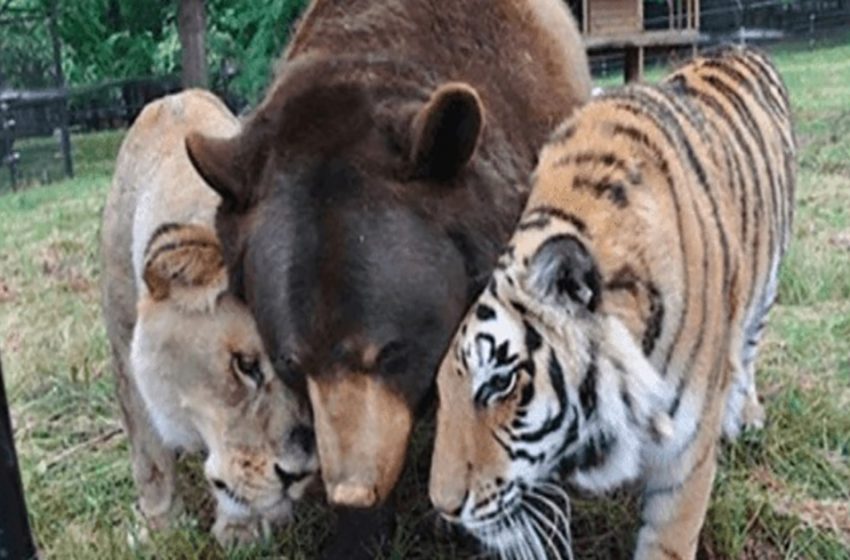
615 343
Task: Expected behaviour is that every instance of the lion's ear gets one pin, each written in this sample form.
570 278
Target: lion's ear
446 131
184 264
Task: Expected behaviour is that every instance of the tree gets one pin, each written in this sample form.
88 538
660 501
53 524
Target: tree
191 25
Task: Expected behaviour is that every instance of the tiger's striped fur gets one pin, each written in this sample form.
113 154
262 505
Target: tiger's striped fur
617 338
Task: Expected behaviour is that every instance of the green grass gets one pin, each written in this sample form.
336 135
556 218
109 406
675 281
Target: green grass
776 492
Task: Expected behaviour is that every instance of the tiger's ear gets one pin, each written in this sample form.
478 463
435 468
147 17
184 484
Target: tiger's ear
562 270
184 264
230 166
446 131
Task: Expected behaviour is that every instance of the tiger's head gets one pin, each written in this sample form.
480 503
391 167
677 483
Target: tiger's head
540 381
207 382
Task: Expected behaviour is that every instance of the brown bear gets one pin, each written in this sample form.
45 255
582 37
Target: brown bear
366 199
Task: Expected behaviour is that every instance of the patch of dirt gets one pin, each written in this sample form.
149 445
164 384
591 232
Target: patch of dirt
61 267
7 294
824 515
759 548
841 240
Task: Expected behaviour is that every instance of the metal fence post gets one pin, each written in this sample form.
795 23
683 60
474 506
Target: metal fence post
15 537
60 85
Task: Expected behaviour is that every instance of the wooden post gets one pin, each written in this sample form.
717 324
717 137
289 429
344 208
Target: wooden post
15 537
191 26
59 77
585 16
633 64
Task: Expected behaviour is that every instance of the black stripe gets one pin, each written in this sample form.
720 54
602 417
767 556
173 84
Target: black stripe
612 188
513 455
159 232
743 146
173 246
552 212
743 112
640 137
666 122
484 312
568 462
760 97
654 323
678 114
609 159
553 423
745 115
587 390
624 278
533 340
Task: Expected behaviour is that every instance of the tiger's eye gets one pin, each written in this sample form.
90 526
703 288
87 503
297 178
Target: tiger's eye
502 382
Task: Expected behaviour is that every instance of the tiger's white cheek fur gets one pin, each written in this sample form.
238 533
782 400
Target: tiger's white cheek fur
623 369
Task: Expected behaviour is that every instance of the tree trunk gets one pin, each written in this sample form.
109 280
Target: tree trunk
191 25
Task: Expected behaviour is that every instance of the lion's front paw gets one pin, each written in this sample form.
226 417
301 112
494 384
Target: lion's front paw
237 531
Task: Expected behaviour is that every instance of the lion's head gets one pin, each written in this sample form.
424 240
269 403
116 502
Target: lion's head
208 383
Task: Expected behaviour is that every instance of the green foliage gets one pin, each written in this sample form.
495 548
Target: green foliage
113 39
250 35
25 46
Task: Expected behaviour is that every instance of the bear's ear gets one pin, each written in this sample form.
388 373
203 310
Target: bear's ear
446 131
562 271
217 161
231 166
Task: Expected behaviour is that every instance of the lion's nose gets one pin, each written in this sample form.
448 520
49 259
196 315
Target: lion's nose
288 478
302 436
352 495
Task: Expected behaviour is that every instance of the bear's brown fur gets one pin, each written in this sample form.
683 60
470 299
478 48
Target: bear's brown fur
370 192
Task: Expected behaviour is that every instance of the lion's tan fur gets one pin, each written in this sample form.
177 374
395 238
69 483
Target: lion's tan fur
176 333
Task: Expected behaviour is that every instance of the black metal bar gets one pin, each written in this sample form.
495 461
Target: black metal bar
15 536
60 84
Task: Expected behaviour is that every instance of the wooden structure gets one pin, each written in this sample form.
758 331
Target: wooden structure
618 25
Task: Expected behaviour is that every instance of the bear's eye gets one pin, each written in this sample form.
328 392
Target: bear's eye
289 371
247 366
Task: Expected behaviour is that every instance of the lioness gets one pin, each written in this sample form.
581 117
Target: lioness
190 366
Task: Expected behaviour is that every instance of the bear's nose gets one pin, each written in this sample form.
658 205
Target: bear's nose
352 495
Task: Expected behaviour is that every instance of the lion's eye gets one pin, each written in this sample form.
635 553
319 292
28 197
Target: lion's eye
247 366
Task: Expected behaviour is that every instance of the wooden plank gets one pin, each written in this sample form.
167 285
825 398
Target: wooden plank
585 16
633 67
662 38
